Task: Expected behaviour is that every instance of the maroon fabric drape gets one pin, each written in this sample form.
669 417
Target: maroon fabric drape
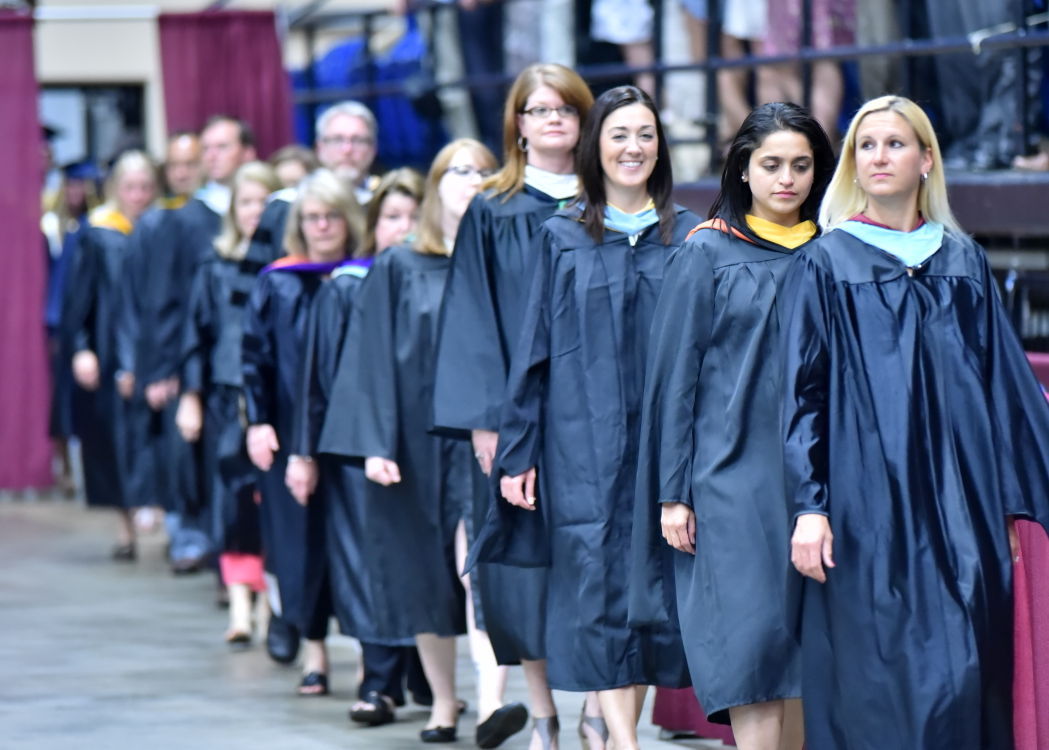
678 710
25 452
226 62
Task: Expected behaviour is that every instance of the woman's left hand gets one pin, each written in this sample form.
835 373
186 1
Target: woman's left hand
679 526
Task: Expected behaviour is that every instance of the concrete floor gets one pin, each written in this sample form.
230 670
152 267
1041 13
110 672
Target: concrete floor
96 655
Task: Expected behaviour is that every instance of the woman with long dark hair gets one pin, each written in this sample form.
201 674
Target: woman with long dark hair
480 321
710 474
915 430
570 426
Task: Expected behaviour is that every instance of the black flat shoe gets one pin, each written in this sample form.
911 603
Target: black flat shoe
124 553
438 734
501 725
313 684
378 711
282 640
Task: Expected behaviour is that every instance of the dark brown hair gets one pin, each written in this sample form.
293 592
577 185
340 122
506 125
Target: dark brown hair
592 177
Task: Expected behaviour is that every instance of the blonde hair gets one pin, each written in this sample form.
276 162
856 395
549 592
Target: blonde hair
569 86
430 237
844 198
129 161
405 181
325 187
229 243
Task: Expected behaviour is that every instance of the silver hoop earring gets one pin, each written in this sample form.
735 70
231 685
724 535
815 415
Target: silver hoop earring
522 144
743 177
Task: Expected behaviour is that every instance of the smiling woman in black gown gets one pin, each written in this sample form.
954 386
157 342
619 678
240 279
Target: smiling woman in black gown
572 412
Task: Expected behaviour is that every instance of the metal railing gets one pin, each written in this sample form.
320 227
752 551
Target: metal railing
1017 35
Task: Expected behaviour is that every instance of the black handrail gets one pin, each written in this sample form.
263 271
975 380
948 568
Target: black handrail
1018 38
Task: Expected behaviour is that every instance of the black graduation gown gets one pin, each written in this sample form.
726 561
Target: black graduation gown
336 511
711 439
274 339
212 367
382 405
90 316
573 411
913 420
167 246
480 320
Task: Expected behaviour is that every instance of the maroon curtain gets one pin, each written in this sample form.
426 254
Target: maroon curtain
226 62
25 452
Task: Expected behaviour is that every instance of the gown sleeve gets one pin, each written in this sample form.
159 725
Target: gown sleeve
258 356
520 426
511 535
679 338
198 334
1021 414
363 416
78 309
470 378
806 385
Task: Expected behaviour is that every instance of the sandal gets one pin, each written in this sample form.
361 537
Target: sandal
375 709
595 724
124 552
314 683
547 728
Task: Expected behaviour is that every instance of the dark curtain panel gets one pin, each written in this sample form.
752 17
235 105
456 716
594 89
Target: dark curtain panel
25 453
226 62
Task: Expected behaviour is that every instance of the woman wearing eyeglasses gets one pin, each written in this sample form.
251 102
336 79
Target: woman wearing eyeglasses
568 436
480 321
383 395
323 230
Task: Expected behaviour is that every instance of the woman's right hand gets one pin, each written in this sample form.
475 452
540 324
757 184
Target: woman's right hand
520 490
189 418
86 370
382 470
812 546
262 444
301 478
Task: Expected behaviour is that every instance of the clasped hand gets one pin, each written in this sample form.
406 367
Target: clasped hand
520 490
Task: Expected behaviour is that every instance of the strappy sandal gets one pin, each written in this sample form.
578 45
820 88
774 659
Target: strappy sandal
547 728
597 725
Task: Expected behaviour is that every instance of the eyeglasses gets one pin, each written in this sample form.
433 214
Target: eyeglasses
342 140
328 218
565 110
468 171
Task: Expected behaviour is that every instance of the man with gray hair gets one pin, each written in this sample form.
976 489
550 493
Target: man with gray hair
347 142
